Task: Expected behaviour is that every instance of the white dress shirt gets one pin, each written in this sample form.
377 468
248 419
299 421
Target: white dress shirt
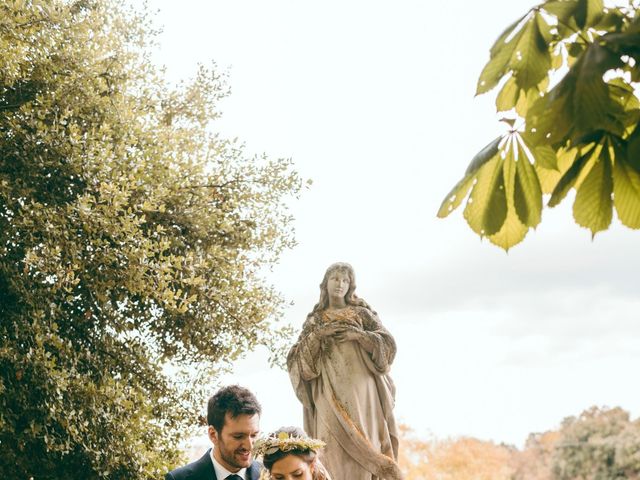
222 473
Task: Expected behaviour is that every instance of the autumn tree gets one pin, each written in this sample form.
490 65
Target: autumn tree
453 459
132 241
535 460
566 74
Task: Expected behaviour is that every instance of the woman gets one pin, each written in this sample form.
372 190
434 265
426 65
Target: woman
288 454
339 369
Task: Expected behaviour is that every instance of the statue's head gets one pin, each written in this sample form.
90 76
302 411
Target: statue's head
350 297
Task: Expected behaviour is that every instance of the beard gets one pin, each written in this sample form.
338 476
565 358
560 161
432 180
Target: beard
234 458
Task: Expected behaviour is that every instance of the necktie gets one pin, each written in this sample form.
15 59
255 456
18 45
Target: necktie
234 477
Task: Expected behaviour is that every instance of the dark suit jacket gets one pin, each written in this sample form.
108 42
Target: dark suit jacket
202 469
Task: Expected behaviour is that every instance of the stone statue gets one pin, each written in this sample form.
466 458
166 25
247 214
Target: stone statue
339 368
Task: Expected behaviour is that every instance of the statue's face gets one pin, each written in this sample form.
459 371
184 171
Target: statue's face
338 284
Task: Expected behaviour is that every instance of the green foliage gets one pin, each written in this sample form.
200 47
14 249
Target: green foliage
601 444
506 195
132 239
567 74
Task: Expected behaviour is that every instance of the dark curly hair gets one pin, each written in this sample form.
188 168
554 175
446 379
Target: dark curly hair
235 400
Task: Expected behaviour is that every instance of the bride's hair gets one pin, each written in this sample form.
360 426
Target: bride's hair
308 455
350 298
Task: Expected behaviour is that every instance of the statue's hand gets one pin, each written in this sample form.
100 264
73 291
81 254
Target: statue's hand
354 335
331 330
348 335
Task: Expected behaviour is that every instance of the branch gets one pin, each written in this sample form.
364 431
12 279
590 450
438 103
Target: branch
25 24
12 107
577 32
213 185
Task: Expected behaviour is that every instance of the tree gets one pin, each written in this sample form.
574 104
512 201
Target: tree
534 462
132 241
600 444
567 73
453 459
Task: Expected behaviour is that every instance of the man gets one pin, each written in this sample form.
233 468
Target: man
233 415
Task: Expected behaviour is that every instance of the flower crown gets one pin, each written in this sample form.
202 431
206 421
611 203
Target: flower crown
285 442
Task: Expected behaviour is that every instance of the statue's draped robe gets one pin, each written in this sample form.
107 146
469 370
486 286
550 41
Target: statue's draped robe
348 395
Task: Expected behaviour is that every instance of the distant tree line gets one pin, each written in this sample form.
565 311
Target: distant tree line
599 444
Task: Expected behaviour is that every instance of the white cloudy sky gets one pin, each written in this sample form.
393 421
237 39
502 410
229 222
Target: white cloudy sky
374 102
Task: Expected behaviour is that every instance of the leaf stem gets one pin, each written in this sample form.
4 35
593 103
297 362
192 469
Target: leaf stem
577 32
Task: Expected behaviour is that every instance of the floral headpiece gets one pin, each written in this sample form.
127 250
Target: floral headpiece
285 442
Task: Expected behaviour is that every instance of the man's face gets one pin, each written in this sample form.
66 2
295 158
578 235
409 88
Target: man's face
234 444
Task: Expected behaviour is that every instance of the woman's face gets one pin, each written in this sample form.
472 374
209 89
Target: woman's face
338 284
291 467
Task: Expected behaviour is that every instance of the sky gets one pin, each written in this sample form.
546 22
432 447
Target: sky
374 102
